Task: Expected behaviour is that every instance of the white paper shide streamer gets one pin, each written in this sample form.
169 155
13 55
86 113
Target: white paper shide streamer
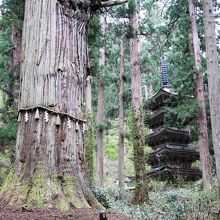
46 116
26 117
69 123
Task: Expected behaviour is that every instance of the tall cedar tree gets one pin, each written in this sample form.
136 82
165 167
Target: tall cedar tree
10 59
141 192
100 107
89 139
49 167
203 128
213 79
121 144
12 16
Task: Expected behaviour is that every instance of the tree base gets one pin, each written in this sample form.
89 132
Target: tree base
140 194
60 191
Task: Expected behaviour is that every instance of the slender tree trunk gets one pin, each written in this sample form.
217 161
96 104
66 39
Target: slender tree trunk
148 90
121 166
49 168
100 109
12 87
141 193
89 138
203 128
16 54
213 80
88 94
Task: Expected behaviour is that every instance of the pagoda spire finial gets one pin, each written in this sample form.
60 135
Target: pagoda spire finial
164 72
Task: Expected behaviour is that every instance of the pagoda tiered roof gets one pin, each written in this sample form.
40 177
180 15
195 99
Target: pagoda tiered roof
164 135
168 172
156 119
161 98
171 152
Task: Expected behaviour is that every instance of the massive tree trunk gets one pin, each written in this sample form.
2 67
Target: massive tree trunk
100 108
203 128
213 79
141 193
121 166
49 166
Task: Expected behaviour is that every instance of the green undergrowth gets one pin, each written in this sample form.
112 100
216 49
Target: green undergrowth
166 202
111 153
111 141
5 163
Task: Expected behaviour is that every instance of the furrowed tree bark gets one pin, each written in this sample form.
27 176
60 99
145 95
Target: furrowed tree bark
121 163
50 168
141 192
213 80
202 119
100 109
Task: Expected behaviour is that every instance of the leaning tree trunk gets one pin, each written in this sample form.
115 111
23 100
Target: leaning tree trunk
203 128
121 165
100 109
141 192
49 166
213 80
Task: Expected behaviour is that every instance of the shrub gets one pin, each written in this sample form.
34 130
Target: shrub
189 202
101 196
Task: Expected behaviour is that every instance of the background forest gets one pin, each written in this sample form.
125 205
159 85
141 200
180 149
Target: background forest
164 30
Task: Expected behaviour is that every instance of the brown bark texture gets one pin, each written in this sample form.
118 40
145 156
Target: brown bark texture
121 144
100 108
202 118
141 192
213 79
49 167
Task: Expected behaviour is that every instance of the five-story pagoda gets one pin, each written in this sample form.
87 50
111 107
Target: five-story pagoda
171 157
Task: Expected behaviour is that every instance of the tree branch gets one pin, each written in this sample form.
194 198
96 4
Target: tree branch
95 5
5 51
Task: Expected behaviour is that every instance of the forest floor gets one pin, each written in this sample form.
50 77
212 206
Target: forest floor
21 213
